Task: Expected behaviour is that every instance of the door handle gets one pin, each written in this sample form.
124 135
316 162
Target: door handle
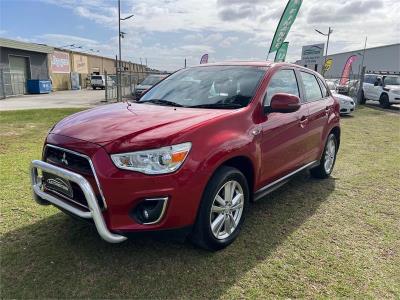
303 121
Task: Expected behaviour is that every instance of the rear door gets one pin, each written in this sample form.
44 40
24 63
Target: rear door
284 135
320 105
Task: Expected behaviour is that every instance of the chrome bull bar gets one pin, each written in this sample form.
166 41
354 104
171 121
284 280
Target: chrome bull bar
94 208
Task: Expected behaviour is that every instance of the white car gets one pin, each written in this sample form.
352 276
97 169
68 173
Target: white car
382 88
99 81
347 104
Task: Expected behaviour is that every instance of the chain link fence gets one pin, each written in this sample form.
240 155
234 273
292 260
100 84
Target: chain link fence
351 86
129 81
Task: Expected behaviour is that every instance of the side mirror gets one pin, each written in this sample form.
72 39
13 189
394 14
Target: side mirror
284 103
376 83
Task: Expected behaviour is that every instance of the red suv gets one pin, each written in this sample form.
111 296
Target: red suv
192 152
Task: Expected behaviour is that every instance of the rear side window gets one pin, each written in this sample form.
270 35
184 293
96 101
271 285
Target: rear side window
283 81
311 87
323 88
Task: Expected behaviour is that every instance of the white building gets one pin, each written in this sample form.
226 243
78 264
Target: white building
383 58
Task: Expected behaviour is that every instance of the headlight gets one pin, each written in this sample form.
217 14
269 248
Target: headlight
157 161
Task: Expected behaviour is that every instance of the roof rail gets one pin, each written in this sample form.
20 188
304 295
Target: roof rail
383 72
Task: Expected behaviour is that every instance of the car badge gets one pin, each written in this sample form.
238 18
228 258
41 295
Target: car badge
64 159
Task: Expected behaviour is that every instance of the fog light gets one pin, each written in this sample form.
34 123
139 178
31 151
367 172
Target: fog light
150 211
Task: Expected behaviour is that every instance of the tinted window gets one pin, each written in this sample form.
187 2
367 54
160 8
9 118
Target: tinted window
311 87
323 88
97 77
282 82
208 87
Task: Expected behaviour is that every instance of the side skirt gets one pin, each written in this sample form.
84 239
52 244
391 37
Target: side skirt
281 181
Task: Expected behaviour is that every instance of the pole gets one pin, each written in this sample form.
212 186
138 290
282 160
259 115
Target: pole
106 88
360 96
365 46
326 50
119 98
116 67
327 43
185 63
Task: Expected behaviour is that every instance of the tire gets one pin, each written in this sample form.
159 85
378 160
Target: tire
93 87
363 99
384 101
222 216
328 159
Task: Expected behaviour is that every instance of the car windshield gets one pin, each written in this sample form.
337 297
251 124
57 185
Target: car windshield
151 80
392 80
207 87
97 77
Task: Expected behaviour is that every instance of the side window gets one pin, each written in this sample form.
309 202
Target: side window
323 88
311 87
283 81
368 79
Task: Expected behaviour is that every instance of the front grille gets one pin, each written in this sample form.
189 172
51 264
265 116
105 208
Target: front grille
77 164
67 160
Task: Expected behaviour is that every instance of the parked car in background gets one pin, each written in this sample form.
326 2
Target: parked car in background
382 88
192 153
347 104
147 83
343 88
99 81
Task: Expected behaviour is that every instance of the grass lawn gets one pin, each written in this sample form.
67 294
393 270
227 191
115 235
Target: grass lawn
338 237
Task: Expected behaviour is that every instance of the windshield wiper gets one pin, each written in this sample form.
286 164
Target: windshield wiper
162 102
218 105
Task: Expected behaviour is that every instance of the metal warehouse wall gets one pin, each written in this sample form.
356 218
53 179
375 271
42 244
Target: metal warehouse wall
101 64
37 61
385 58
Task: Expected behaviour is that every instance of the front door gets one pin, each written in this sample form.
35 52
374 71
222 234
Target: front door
284 135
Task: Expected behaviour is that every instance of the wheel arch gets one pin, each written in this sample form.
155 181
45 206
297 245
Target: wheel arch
336 131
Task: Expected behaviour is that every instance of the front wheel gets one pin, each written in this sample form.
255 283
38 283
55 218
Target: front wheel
384 101
221 212
328 159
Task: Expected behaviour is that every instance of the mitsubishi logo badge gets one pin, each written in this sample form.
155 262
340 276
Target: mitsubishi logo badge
64 159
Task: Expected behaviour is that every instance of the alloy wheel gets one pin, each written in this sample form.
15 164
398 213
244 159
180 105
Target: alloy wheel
330 153
226 209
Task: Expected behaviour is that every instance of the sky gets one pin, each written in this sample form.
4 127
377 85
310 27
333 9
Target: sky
165 32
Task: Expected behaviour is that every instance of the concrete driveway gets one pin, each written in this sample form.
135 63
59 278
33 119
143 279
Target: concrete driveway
61 99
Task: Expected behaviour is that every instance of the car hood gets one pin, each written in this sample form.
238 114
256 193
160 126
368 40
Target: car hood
134 126
341 97
393 87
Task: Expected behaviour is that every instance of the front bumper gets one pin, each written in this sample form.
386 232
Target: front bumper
94 209
347 107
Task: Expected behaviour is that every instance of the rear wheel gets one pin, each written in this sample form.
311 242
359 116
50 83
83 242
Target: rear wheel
222 209
328 159
384 101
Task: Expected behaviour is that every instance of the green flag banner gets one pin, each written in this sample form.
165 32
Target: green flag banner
281 53
286 21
